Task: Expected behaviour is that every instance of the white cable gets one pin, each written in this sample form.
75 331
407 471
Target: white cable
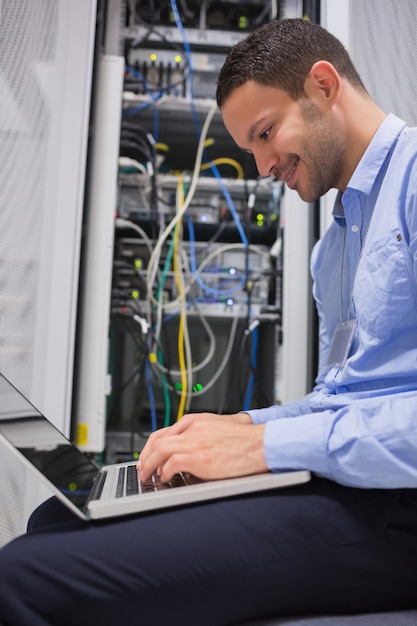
125 161
276 248
122 223
222 365
156 253
144 325
225 358
172 305
159 305
209 355
232 246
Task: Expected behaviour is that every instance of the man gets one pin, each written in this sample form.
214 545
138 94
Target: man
346 541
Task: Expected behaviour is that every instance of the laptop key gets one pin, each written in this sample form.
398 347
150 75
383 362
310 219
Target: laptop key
132 481
182 479
120 483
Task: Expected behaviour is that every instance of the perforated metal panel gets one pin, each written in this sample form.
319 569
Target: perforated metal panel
24 128
27 32
383 47
44 108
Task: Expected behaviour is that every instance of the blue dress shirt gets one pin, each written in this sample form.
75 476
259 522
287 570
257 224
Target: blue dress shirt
359 425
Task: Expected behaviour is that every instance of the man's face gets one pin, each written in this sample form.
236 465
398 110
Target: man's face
294 141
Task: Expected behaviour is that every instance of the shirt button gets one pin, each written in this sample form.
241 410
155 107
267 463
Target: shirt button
355 228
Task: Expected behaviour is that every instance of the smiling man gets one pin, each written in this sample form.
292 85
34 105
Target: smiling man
291 140
309 127
345 542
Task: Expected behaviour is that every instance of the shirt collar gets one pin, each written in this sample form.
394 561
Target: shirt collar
364 176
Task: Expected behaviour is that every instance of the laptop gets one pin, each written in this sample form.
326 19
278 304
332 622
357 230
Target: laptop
114 490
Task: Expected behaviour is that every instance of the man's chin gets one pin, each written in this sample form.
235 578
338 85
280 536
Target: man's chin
305 195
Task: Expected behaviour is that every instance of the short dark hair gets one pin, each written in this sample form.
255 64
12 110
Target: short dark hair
280 54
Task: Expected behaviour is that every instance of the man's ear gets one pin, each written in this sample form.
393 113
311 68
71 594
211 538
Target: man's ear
323 84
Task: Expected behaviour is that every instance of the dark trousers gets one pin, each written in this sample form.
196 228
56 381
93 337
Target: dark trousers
315 548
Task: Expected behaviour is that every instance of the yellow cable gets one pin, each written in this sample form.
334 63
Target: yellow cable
162 146
225 161
178 281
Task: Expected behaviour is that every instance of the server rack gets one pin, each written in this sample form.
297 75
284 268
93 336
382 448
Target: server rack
181 333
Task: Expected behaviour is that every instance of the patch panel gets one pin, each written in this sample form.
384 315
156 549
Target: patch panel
256 202
226 280
227 15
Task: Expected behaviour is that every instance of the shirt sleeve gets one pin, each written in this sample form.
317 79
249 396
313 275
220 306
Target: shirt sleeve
365 442
370 444
275 412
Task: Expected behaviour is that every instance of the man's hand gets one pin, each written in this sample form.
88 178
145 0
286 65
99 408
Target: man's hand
206 445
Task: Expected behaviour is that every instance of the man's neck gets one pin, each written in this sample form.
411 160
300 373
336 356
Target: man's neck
363 118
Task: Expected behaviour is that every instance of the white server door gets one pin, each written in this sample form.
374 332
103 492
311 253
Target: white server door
46 62
380 37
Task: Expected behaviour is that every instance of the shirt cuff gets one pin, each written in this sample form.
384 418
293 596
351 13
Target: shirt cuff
297 443
260 416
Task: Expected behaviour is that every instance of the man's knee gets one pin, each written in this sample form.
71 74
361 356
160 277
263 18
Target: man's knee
50 513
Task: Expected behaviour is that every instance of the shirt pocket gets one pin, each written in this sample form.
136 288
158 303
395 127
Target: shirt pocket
382 293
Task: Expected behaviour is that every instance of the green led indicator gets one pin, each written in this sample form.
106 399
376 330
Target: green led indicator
72 487
138 264
242 21
135 295
197 387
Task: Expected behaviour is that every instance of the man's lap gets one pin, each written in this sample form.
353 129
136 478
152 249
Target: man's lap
313 548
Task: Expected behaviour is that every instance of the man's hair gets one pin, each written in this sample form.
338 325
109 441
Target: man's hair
281 54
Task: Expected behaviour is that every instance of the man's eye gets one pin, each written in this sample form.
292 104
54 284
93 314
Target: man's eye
266 133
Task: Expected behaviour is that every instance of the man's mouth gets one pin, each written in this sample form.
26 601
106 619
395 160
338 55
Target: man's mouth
287 176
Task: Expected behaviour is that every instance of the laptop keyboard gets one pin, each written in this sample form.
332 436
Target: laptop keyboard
128 483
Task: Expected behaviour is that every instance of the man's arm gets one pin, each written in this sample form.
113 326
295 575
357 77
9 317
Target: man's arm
371 443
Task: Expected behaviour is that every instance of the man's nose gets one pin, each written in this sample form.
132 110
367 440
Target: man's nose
265 164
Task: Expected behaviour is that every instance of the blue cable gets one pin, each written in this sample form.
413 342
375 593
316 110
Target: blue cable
206 288
187 50
231 206
198 128
251 383
154 97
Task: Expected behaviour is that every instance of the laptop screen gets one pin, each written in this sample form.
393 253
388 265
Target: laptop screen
47 449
